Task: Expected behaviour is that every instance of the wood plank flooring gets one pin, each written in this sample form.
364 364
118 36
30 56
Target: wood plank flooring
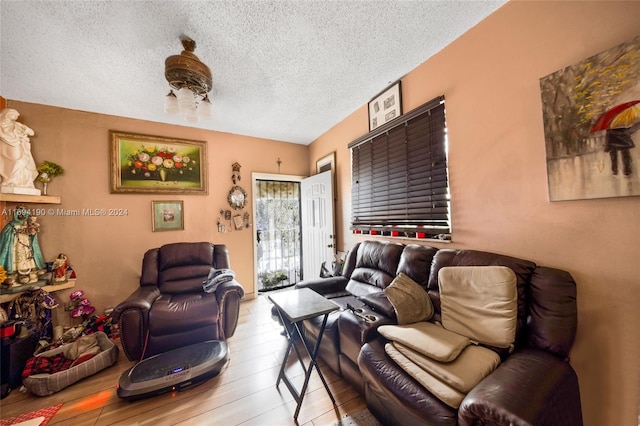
243 394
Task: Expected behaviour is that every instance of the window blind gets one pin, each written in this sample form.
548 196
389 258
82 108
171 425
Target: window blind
399 175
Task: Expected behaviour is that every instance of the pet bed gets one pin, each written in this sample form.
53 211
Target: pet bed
43 384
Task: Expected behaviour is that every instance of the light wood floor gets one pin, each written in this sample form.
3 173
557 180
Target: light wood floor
243 394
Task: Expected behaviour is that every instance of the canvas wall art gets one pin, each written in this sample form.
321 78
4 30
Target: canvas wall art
591 113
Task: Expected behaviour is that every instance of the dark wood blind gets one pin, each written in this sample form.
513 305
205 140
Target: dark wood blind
399 174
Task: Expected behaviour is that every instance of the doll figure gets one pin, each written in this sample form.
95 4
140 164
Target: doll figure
19 249
60 266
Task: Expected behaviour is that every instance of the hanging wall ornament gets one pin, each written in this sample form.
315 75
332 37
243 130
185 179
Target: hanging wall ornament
235 175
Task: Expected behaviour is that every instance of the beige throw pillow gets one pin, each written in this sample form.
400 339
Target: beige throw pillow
410 301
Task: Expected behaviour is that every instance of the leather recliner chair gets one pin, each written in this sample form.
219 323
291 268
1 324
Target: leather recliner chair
170 309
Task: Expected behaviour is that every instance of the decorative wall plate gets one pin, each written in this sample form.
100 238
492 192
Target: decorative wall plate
237 198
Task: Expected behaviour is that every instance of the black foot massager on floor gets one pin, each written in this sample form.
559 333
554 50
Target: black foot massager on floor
173 370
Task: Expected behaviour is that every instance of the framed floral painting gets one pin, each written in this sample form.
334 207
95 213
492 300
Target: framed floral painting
144 164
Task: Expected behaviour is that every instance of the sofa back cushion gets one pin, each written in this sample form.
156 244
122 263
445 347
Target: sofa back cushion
376 266
479 302
415 262
350 261
179 267
553 311
523 270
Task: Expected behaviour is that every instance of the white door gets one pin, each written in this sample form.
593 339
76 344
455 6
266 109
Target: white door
317 224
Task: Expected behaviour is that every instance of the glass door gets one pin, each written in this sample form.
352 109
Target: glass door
277 224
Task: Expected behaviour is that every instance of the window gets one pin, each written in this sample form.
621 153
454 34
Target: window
399 182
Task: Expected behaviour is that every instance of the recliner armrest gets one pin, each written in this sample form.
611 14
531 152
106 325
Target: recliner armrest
229 294
133 315
141 299
325 285
531 387
227 287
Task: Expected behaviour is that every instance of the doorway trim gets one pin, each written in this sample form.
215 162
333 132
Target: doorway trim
255 176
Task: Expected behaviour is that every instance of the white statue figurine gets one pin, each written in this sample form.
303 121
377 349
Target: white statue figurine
17 168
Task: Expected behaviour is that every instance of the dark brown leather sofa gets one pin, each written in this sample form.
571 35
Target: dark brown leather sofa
170 309
534 385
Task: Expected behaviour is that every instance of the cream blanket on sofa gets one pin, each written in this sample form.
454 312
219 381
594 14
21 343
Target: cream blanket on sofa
478 306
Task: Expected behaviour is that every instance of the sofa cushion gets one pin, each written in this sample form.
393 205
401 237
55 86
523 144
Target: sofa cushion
177 313
375 267
443 391
480 302
416 261
522 268
380 256
428 339
410 301
379 302
472 365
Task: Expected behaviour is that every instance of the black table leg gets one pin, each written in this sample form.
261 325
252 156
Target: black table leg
313 353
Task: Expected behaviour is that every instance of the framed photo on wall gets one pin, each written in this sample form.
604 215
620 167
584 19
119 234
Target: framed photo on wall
167 215
385 107
145 163
328 162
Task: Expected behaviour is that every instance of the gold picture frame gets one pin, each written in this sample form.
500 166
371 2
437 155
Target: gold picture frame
157 164
167 215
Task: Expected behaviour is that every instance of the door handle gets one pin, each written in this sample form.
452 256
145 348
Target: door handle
330 246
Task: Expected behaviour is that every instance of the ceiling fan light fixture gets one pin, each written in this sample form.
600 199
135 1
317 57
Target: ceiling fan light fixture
191 79
205 107
171 106
192 116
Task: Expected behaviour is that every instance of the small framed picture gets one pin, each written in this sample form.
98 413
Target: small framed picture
167 215
385 107
328 162
238 222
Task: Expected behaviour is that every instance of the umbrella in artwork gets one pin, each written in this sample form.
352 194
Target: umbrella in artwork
620 122
619 117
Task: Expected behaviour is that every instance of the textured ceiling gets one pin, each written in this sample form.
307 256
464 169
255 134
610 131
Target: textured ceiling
283 70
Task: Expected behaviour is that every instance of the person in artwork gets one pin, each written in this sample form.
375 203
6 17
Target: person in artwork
619 140
17 168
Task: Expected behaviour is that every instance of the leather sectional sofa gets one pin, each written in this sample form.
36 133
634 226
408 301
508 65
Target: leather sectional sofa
534 384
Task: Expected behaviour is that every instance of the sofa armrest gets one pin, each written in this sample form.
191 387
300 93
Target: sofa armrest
325 286
141 299
531 387
132 316
229 294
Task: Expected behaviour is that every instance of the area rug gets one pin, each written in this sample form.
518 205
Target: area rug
361 418
34 418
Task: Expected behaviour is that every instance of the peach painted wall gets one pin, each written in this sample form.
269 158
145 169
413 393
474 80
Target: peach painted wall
490 78
107 251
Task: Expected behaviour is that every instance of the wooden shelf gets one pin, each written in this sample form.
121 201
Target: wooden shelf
35 199
8 297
